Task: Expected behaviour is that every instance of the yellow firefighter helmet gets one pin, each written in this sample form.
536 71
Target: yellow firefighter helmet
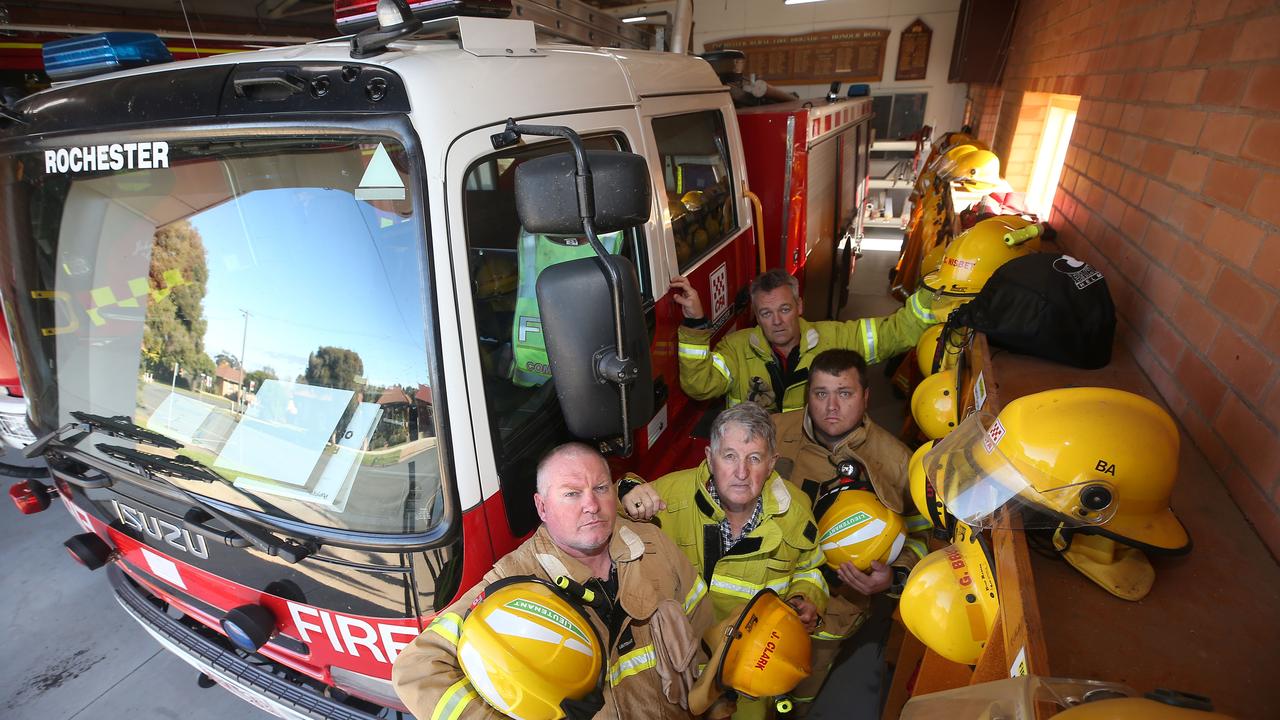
950 600
973 167
497 275
934 405
926 348
856 527
763 651
1097 460
527 647
932 260
971 259
928 503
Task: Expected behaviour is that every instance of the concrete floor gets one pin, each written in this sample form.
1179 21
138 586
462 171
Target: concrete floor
78 656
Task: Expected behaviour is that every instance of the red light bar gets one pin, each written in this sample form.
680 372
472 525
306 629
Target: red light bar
354 15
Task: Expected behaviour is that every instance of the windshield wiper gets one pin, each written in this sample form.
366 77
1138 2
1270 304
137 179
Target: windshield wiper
118 426
156 467
180 466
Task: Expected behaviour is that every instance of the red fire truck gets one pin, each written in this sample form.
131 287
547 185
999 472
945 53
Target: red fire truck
281 321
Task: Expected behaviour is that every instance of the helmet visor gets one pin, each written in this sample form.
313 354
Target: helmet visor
974 478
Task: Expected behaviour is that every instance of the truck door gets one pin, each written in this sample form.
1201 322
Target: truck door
511 393
706 233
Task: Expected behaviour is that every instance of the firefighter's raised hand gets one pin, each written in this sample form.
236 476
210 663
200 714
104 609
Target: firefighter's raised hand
807 611
642 503
876 580
686 297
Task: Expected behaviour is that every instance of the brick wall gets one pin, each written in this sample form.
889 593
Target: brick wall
1172 188
983 112
1019 156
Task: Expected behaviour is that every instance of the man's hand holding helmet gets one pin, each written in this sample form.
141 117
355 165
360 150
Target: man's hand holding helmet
878 579
807 611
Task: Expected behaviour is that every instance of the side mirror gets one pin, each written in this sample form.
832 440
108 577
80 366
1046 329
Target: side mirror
590 307
547 192
576 306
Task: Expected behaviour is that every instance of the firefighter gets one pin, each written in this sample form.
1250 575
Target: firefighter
768 364
832 446
646 603
741 525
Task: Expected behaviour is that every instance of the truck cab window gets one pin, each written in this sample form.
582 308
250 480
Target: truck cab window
695 170
504 263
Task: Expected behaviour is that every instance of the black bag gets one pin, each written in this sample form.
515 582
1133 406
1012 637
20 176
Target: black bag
1047 305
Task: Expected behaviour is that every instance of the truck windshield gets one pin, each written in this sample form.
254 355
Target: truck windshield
258 300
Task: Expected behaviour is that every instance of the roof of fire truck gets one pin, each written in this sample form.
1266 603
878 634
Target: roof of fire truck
481 72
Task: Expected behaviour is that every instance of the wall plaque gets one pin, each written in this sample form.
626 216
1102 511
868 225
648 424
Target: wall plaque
844 55
913 51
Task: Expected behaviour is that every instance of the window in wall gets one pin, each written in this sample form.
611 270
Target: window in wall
696 171
1051 152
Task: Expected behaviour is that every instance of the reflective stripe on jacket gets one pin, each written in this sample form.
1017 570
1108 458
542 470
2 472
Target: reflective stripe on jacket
738 366
780 553
429 680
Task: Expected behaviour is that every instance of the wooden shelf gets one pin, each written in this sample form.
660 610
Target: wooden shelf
1209 624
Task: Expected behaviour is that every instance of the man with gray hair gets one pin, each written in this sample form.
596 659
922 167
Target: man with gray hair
742 526
769 364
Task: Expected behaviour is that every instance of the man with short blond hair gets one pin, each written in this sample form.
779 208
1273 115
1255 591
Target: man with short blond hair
644 587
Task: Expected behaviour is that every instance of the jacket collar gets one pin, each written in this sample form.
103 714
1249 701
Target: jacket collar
636 596
760 346
625 546
847 444
849 447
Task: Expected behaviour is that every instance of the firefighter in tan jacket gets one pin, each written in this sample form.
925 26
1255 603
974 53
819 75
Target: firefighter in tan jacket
650 607
834 444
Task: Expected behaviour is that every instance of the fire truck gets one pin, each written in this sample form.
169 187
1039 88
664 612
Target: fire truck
288 321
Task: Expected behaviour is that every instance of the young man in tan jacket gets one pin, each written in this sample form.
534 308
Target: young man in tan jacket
644 583
833 443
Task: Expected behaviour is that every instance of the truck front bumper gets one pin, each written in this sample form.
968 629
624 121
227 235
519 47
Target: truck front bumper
253 684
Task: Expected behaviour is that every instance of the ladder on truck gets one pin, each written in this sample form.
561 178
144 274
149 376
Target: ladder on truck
581 23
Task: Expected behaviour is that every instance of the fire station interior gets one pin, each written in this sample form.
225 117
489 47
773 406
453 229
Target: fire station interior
1086 193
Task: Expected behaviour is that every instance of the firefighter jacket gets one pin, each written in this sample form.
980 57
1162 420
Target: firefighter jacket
780 553
651 571
810 466
744 366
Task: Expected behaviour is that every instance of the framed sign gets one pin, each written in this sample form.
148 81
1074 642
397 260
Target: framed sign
913 51
822 57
